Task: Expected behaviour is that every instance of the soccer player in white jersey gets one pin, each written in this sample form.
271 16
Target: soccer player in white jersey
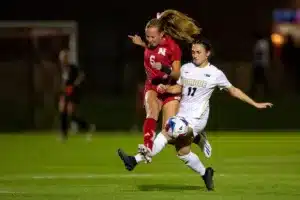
197 82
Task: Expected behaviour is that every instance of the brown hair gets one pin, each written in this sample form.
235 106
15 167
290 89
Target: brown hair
176 24
205 43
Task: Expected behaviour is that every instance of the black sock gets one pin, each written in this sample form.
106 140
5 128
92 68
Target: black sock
64 124
83 125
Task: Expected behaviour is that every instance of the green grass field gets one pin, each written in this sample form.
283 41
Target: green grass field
250 166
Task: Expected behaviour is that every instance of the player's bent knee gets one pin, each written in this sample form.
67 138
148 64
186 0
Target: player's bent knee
183 145
153 114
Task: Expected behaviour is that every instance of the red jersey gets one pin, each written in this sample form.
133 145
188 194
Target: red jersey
166 53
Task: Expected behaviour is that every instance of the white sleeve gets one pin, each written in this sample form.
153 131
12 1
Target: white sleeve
222 81
179 81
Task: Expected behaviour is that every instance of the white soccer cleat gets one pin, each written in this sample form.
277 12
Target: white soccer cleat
145 152
205 145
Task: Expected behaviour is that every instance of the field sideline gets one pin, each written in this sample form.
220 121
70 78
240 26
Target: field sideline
248 166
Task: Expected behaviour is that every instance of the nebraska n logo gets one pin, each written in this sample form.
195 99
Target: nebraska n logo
162 51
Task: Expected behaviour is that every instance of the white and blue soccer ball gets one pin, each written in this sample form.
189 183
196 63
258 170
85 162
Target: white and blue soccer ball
177 127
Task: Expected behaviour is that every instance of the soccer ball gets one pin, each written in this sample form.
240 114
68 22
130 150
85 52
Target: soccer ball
176 127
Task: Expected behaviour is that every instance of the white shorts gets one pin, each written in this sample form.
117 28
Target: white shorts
197 124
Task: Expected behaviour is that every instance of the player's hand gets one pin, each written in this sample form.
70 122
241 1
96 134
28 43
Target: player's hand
157 66
69 90
158 15
161 88
263 105
137 40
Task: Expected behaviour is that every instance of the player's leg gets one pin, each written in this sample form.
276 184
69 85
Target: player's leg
159 144
64 122
184 153
161 140
82 124
152 107
170 106
73 102
200 138
169 109
196 127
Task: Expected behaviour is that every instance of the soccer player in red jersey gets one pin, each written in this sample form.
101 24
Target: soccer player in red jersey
162 61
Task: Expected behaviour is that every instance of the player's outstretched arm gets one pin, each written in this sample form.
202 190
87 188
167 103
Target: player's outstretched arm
237 93
174 72
174 89
137 40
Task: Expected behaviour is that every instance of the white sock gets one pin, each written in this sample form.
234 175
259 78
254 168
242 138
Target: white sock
159 144
193 162
139 158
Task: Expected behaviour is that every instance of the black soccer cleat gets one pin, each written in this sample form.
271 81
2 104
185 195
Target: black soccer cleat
129 161
208 178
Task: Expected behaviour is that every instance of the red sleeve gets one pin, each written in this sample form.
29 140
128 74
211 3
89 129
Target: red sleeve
176 52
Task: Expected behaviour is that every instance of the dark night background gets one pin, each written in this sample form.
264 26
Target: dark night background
105 51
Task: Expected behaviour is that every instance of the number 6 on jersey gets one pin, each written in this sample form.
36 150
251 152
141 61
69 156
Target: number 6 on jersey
152 60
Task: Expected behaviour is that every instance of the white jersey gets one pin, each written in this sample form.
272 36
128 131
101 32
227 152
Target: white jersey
198 85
